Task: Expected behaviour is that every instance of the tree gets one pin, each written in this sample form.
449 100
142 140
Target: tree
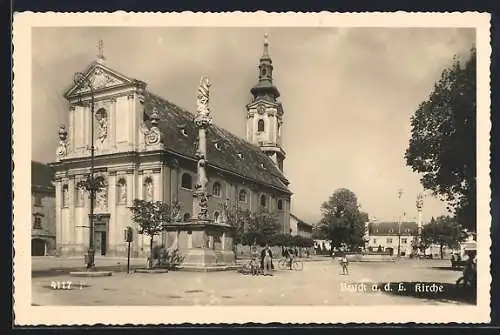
152 217
343 219
443 231
262 225
320 231
238 219
442 146
252 227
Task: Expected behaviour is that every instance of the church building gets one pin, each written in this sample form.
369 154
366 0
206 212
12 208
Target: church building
145 148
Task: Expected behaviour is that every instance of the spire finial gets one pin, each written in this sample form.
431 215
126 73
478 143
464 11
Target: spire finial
100 51
266 44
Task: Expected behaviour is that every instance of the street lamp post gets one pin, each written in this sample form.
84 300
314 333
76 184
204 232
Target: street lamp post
91 184
400 193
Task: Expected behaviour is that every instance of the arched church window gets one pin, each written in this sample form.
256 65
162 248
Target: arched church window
216 216
148 189
280 204
65 195
242 197
216 189
263 200
122 191
187 181
260 125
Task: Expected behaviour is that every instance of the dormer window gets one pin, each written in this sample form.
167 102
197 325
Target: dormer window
262 166
240 155
182 129
218 146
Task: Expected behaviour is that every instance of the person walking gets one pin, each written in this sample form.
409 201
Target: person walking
345 264
267 257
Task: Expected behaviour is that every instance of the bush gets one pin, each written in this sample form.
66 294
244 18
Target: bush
277 239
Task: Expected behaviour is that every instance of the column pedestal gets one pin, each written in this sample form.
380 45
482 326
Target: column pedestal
196 243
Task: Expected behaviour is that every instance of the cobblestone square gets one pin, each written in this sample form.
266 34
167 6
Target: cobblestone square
319 283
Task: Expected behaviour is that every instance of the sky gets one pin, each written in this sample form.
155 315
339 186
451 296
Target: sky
348 95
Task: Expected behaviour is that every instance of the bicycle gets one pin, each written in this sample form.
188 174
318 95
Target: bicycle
251 268
297 264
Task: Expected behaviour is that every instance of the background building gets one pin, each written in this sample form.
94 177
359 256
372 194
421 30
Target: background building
43 224
387 236
299 227
146 149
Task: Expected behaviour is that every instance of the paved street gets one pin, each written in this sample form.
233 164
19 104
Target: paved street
319 283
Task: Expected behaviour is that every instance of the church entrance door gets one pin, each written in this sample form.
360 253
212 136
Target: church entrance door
100 243
101 231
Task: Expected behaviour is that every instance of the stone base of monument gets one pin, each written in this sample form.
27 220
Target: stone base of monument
90 273
208 260
151 270
205 246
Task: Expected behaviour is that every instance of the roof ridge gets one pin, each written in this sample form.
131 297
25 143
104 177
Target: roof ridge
227 133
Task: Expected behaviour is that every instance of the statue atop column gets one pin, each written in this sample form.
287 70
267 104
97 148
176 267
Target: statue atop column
202 121
203 118
420 202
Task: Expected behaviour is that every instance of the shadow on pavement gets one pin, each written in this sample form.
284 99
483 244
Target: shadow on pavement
442 292
446 268
53 272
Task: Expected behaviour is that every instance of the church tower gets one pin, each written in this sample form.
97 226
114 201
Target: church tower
265 112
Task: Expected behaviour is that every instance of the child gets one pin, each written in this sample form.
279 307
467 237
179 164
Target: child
254 267
344 263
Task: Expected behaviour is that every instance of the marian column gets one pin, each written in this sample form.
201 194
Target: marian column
420 205
202 121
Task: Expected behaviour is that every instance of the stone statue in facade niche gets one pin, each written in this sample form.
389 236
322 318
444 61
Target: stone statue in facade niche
149 190
102 125
62 149
101 199
81 196
65 195
123 193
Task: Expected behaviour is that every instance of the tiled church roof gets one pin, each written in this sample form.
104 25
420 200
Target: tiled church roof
180 135
392 228
41 175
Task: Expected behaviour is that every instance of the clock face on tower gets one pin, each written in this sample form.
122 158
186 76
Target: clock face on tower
261 109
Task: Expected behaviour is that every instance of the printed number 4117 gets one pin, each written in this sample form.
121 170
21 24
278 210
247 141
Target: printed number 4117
60 285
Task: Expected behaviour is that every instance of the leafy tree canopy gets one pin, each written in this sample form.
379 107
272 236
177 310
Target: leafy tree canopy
151 216
443 231
442 147
343 219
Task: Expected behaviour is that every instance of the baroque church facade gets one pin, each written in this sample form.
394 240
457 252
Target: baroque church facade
145 148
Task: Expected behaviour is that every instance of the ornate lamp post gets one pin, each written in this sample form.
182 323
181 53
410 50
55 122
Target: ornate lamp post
91 184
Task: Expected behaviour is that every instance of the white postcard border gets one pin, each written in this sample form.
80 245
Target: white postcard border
25 314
